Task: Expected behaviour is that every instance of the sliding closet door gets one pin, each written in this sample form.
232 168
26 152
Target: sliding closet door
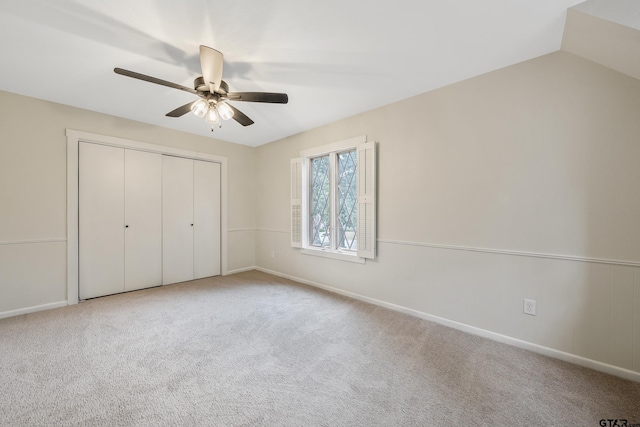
101 220
143 220
206 193
177 219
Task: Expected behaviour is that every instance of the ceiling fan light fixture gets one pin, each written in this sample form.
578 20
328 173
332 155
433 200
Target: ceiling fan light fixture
224 110
211 115
212 92
200 107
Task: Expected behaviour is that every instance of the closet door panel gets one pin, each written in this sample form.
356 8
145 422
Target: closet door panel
101 220
177 219
206 181
143 220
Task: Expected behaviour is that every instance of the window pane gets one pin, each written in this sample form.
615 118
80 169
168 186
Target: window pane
320 194
347 201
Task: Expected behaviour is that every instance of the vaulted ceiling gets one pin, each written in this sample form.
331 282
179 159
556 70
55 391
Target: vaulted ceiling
334 58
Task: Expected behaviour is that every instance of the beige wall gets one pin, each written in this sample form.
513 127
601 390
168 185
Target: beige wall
33 193
518 171
521 183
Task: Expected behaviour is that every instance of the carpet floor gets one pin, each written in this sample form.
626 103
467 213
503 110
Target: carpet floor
256 350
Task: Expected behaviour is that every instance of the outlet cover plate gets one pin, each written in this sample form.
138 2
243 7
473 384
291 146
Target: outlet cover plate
530 307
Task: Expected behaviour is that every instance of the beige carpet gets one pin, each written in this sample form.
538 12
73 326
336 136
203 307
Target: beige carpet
255 350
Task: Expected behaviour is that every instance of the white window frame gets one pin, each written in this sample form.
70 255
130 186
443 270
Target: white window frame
300 200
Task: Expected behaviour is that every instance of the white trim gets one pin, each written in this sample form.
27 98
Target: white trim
342 256
33 309
73 253
141 146
297 211
73 139
335 146
241 270
636 366
32 242
493 251
268 230
514 253
366 199
224 227
546 351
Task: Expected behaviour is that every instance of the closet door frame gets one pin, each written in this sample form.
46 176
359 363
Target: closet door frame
73 139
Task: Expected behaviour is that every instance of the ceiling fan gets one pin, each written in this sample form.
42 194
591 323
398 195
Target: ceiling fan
213 92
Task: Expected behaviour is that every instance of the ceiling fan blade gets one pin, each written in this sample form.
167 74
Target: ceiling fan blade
180 111
240 117
211 62
273 98
153 80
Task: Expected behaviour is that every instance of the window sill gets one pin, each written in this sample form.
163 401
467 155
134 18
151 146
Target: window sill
342 256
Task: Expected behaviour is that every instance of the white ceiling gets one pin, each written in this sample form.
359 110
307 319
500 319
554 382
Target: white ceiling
335 58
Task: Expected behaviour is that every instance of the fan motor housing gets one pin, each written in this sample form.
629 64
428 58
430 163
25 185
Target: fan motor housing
200 86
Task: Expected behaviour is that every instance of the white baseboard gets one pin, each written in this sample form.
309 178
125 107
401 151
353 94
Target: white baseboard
546 351
33 309
241 270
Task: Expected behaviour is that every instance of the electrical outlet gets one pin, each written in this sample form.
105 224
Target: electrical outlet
273 253
530 307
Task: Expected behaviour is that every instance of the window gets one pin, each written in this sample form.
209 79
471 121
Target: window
333 200
320 190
